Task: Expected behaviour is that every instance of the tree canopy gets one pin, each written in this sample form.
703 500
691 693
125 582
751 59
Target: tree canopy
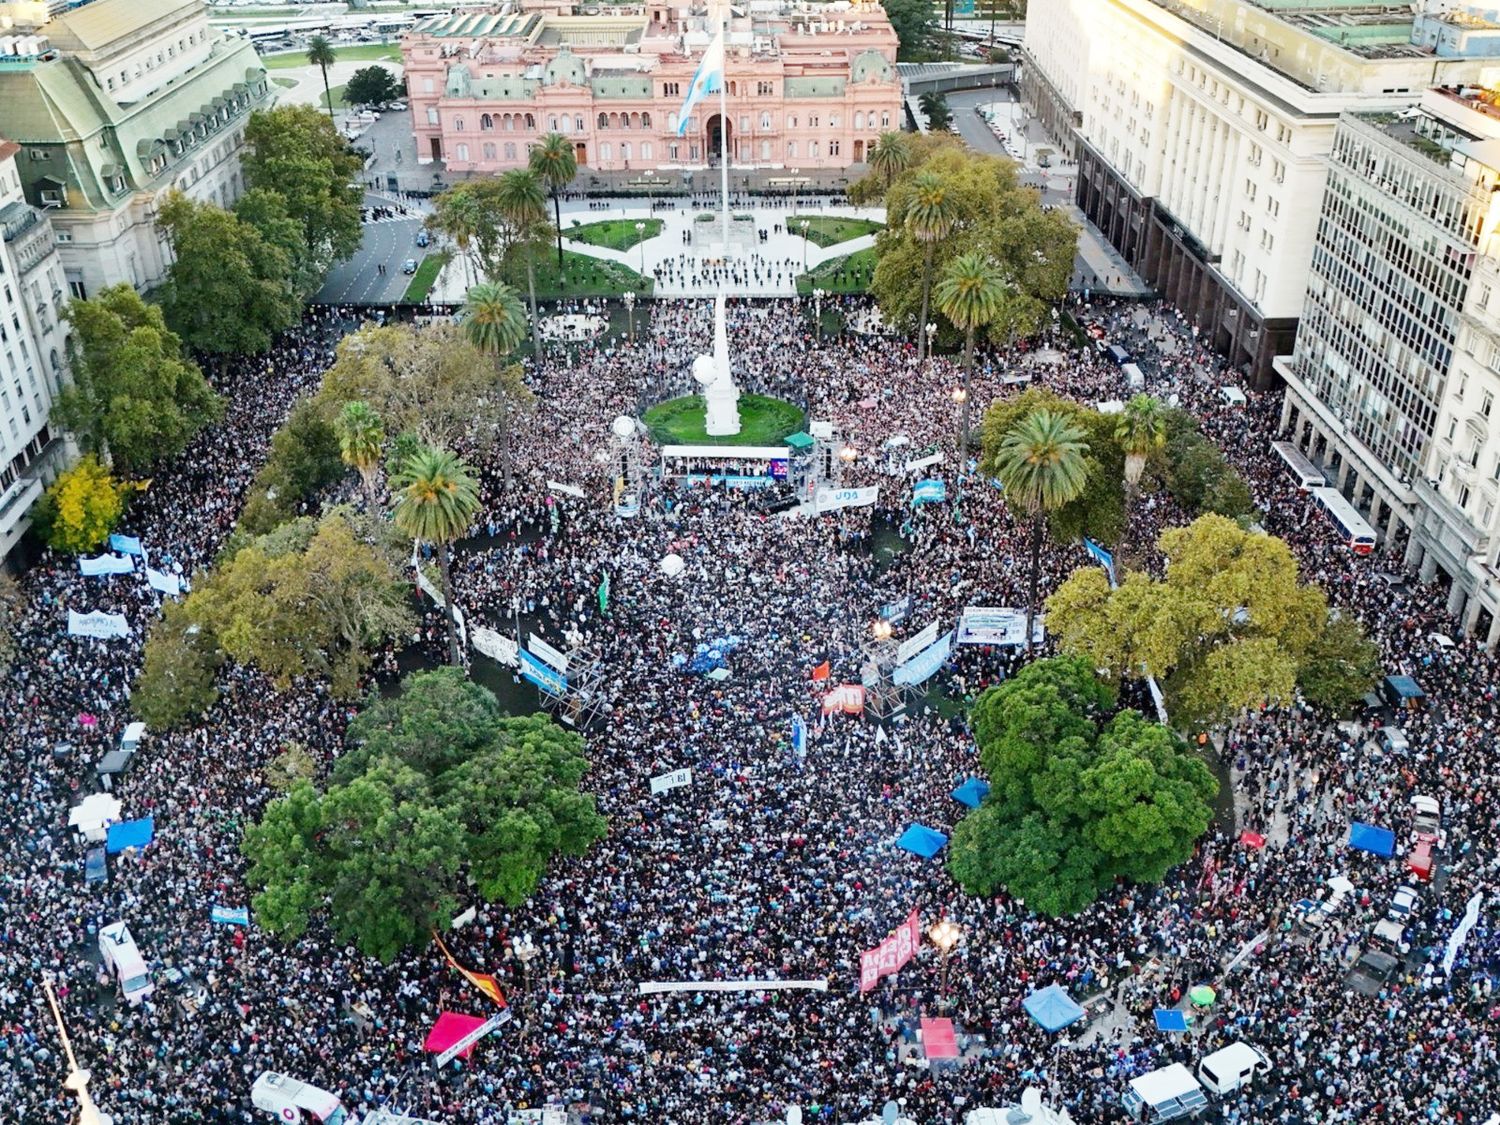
994 215
229 290
913 22
81 508
429 381
134 396
438 787
1228 627
305 456
1078 798
372 85
297 153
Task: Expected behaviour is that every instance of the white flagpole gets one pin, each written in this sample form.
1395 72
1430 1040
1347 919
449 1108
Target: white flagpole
724 124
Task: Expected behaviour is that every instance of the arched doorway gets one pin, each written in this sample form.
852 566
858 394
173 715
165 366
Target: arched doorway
580 152
715 127
859 152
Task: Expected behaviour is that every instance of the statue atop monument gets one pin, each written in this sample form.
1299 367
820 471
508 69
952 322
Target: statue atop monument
721 398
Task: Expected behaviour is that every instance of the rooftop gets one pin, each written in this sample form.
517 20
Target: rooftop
1366 28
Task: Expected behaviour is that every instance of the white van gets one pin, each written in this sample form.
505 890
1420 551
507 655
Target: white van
291 1100
1237 1065
1394 740
123 959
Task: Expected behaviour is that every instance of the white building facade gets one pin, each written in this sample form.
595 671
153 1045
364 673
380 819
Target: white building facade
33 353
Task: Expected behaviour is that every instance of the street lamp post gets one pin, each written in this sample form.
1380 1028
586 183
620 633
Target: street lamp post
961 400
818 295
640 237
76 1080
805 225
931 331
525 950
945 934
630 312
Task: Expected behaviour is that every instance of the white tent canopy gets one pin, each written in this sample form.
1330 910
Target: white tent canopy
94 814
672 565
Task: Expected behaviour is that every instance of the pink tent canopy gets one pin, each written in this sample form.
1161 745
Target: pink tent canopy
938 1039
449 1029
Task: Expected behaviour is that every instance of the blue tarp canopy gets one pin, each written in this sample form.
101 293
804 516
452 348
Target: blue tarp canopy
1170 1019
921 840
1404 687
972 792
1052 1007
130 834
1368 838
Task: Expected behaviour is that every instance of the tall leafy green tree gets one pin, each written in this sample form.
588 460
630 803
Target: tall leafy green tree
1142 432
135 397
361 438
177 675
437 499
439 720
494 323
460 216
1340 665
524 203
930 217
1041 465
372 85
556 163
321 55
295 152
266 212
913 22
890 156
304 458
229 290
970 294
935 106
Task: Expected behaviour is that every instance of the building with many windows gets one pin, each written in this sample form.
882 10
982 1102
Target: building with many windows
1396 371
1203 129
115 102
809 85
33 352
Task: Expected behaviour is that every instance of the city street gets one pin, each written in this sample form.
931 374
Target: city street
358 281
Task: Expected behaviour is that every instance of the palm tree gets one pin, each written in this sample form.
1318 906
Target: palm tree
495 323
970 294
930 217
459 216
361 436
320 54
1142 430
553 160
1040 463
524 204
890 155
437 500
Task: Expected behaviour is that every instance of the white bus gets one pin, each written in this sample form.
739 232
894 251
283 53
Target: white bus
1304 472
1358 535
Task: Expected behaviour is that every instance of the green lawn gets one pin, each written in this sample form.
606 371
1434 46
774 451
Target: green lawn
849 274
830 230
337 94
363 52
763 421
581 276
617 234
422 281
285 83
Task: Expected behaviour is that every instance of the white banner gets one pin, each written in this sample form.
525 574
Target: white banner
105 565
915 644
832 499
165 583
651 987
543 650
923 462
986 625
497 646
565 489
1461 934
96 624
674 780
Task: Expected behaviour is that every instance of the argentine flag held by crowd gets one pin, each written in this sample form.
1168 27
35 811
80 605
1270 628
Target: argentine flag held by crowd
707 79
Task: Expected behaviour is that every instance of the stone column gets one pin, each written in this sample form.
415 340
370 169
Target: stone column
1286 414
1415 552
1456 598
1428 570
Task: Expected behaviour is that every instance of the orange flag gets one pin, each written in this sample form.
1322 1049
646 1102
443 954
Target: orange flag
822 671
482 981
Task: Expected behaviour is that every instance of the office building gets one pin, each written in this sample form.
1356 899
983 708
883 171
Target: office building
114 103
1203 129
809 85
33 352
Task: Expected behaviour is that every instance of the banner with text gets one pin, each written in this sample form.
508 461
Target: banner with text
916 643
662 782
848 698
892 954
919 669
100 625
105 565
163 583
988 625
832 499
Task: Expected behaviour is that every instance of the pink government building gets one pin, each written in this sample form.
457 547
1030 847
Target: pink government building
809 85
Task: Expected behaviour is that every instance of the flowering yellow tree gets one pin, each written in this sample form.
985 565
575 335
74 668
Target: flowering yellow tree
80 510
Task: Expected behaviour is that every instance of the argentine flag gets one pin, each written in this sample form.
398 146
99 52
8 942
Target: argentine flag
707 79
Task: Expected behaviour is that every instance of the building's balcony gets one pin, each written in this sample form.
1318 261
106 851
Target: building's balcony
1447 525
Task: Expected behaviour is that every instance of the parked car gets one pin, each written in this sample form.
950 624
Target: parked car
1372 972
1403 903
409 266
1390 936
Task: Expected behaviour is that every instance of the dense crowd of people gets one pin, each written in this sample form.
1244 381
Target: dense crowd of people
772 863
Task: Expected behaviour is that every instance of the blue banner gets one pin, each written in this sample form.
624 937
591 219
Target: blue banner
799 735
126 545
229 915
544 676
929 492
895 612
1101 556
920 668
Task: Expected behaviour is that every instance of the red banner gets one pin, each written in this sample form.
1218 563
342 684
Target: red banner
891 954
848 698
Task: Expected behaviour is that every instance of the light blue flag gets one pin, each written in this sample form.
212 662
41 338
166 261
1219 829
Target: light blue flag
706 80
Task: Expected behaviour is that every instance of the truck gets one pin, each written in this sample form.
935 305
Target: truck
1232 1067
123 960
291 1101
1168 1094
